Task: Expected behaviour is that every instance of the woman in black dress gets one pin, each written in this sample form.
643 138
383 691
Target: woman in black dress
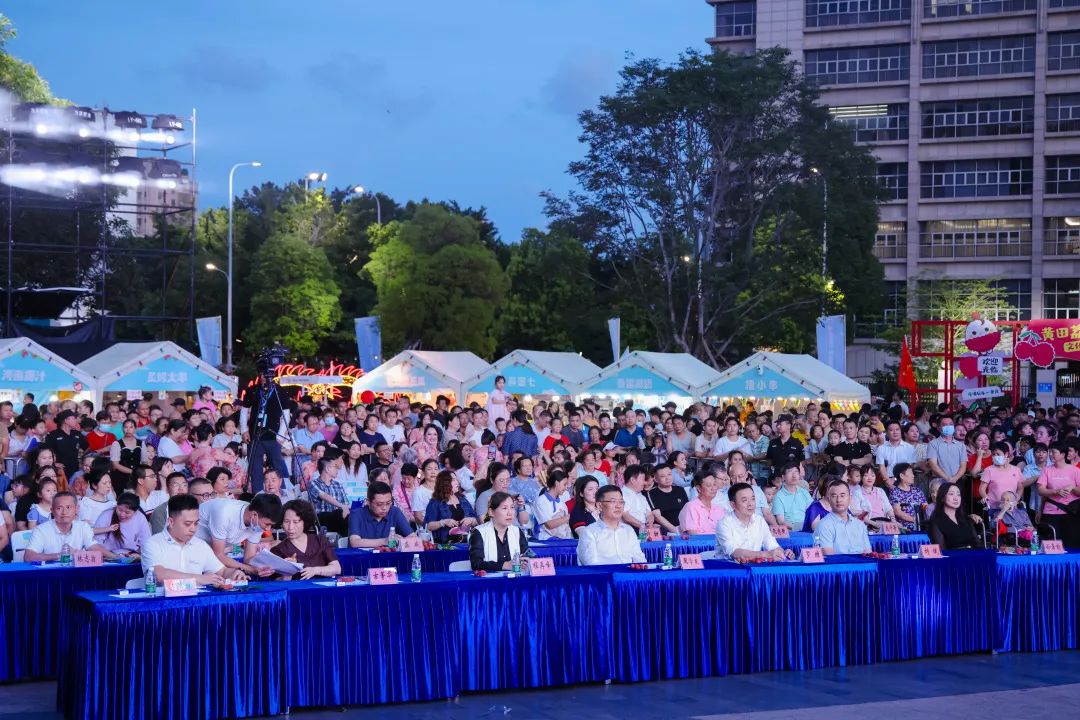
949 527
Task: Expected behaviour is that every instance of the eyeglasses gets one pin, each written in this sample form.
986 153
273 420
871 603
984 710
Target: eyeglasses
204 496
617 503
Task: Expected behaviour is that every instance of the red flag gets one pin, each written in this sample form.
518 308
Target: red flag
906 381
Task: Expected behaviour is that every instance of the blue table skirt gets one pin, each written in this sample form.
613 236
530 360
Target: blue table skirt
678 623
909 543
357 562
31 598
217 655
1040 602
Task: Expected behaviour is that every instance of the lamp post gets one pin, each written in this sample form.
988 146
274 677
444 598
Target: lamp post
313 177
229 268
359 190
824 222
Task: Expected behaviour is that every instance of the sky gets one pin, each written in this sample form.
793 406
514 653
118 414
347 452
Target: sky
473 101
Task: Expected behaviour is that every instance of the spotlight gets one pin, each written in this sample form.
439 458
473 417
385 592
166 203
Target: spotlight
129 120
167 122
316 177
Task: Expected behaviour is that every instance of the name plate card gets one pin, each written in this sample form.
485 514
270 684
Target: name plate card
890 528
780 531
1053 547
691 561
812 555
87 558
382 576
652 533
539 567
928 552
412 543
180 587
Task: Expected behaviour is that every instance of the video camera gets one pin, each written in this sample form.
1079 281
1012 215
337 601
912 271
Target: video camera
269 359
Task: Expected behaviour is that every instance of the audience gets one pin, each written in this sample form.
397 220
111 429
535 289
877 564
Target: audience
48 539
177 552
371 525
743 535
840 532
304 545
495 543
609 540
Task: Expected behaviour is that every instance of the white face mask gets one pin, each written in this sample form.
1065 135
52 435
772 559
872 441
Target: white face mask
999 460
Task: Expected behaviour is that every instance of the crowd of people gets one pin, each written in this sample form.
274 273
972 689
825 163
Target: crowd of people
199 488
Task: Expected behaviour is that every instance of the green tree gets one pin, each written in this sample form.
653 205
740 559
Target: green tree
436 282
18 76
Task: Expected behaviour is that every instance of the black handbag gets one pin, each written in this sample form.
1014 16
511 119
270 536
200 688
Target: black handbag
1072 508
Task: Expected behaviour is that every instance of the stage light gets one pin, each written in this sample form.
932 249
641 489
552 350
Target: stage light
167 122
129 120
164 169
316 177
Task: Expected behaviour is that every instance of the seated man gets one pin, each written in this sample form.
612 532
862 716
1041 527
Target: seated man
370 525
177 553
841 532
609 541
176 484
226 523
744 535
49 538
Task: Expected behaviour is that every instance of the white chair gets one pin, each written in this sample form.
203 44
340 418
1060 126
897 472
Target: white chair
135 584
19 541
460 566
708 555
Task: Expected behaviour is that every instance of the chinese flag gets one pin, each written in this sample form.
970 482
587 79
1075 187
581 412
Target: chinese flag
906 381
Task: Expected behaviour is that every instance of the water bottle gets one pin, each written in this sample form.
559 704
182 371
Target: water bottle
65 555
642 534
150 583
515 564
417 571
391 541
817 541
1035 542
895 546
669 556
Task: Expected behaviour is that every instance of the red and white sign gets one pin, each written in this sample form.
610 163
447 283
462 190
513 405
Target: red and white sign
382 576
780 531
812 555
652 533
929 552
412 543
1053 547
539 567
180 587
890 528
87 558
691 561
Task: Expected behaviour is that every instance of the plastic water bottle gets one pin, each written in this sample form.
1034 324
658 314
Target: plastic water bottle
417 571
65 555
817 541
1035 546
642 534
150 583
391 541
895 546
515 564
669 556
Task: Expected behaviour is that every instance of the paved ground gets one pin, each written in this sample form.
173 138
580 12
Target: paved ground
976 687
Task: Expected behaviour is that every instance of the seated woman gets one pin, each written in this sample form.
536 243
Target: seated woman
493 546
303 544
448 508
123 529
948 526
869 496
585 511
820 507
1012 519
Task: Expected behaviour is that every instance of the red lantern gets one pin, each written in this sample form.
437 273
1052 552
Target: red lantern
367 397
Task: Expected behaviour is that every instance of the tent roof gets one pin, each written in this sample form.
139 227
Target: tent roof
807 372
122 357
569 369
450 367
10 346
683 370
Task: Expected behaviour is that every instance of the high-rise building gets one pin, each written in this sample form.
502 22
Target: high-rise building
973 111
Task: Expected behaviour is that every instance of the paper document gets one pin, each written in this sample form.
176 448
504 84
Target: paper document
265 558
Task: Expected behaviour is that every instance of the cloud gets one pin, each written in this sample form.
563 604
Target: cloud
356 81
579 80
221 67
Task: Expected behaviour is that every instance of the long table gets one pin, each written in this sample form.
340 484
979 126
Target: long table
301 644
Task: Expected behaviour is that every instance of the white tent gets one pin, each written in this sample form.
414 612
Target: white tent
27 367
536 372
643 374
777 376
423 373
153 366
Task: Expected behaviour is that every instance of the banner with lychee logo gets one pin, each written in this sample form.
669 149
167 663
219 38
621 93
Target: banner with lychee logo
1044 341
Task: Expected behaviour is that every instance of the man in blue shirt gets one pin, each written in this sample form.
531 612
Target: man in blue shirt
630 436
304 438
839 531
370 525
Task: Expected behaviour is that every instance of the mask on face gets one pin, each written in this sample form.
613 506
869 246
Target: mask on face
948 430
999 460
330 420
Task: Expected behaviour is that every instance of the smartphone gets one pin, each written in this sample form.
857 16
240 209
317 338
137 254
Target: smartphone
491 452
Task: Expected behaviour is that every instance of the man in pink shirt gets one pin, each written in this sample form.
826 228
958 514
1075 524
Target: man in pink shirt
999 478
1059 485
700 515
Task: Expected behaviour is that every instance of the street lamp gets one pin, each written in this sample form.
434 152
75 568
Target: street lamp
313 177
359 190
824 221
229 268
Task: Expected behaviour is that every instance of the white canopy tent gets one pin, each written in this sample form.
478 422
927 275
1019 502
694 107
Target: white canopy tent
652 377
794 378
164 367
536 372
27 367
423 373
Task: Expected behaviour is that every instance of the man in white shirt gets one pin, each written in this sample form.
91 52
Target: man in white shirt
840 531
744 535
391 431
225 523
609 541
542 427
48 539
175 552
705 444
894 451
638 512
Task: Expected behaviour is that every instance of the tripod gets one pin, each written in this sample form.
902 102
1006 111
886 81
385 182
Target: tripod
264 439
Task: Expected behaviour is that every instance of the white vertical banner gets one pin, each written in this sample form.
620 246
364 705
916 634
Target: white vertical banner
209 332
832 342
613 331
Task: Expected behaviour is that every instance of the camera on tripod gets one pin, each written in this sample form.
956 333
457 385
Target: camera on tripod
269 359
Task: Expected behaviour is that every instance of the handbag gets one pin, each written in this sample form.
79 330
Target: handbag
1073 508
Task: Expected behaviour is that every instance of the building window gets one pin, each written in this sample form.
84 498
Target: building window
1014 298
892 177
827 13
989 117
735 19
893 314
1061 299
975 238
1062 174
1062 236
1064 4
874 123
963 8
890 241
1063 113
1000 177
848 66
979 57
1063 50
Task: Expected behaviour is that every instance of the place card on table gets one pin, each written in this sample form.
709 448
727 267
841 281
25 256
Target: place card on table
539 566
812 555
780 531
180 587
87 558
652 533
691 561
412 543
889 528
1053 547
927 552
382 576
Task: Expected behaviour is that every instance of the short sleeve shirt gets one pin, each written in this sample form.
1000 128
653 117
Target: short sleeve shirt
223 519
